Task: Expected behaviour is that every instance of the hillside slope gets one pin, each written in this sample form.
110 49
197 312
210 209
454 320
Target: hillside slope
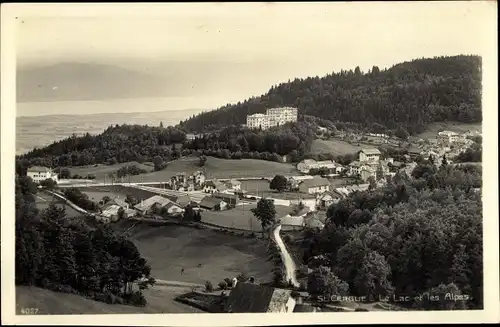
408 95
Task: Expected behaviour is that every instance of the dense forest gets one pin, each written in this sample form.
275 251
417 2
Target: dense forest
70 256
293 139
418 235
409 95
117 144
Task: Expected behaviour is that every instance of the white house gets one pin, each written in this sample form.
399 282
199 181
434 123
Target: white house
199 177
369 156
315 185
307 164
38 174
448 137
214 186
156 202
233 184
354 168
272 117
289 223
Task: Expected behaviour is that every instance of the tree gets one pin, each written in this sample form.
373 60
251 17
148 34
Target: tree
445 297
279 183
48 183
158 163
372 278
202 160
265 212
402 133
189 213
121 213
105 199
322 283
444 162
372 182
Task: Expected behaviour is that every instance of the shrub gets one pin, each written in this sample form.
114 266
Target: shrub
136 298
222 285
252 235
287 238
208 286
251 279
361 309
242 277
229 282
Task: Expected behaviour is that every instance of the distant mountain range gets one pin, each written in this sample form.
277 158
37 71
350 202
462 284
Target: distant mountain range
88 81
77 81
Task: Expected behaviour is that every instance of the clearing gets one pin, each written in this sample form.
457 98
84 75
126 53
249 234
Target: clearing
101 171
44 199
334 146
160 300
214 168
432 129
240 217
203 254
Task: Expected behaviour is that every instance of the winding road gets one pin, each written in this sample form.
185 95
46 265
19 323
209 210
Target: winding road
290 267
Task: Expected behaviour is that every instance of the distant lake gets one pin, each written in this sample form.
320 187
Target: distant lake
41 123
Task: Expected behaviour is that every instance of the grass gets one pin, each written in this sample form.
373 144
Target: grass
432 130
101 171
43 200
240 217
214 168
169 249
160 300
116 191
334 146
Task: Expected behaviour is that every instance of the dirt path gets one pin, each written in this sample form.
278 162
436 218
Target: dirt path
287 258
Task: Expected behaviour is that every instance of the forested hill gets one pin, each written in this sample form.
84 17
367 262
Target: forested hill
408 95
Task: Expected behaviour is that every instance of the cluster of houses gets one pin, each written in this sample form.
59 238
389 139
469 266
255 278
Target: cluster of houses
447 144
187 183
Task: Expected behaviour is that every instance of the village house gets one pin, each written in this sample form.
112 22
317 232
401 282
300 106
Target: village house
181 200
369 156
292 223
38 174
307 200
213 203
414 152
214 186
253 298
230 199
447 137
357 188
313 222
233 184
315 185
328 198
155 203
306 165
128 212
111 212
198 177
354 168
366 172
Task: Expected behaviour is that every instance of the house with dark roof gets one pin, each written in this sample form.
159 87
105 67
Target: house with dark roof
230 199
315 185
213 203
248 297
181 200
414 152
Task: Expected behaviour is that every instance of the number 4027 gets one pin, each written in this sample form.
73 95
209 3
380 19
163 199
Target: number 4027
29 311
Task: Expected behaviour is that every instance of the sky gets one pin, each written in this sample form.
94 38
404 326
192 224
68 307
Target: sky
269 42
319 35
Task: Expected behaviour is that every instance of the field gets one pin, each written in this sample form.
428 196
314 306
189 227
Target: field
239 217
214 168
171 248
43 200
160 300
113 191
432 130
102 171
335 147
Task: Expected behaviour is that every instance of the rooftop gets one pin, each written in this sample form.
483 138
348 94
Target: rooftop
39 169
247 297
371 151
148 203
316 181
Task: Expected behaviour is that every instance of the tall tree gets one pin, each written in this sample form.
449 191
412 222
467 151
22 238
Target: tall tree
265 212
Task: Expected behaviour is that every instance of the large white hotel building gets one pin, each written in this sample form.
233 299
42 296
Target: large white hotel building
272 117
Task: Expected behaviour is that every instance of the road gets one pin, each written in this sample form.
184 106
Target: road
290 266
